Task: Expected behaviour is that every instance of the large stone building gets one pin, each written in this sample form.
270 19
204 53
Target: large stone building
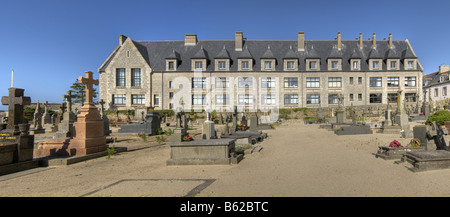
256 74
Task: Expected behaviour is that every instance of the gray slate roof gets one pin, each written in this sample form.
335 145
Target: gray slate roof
156 52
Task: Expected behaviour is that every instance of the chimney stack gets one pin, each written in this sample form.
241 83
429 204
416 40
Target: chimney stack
374 41
339 43
360 41
390 40
443 68
122 39
239 41
301 41
190 39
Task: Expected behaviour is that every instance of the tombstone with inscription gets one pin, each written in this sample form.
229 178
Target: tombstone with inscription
16 145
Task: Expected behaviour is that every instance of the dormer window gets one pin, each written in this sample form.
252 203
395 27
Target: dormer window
222 64
393 64
198 64
312 64
290 64
244 65
355 64
334 64
268 64
171 65
374 64
410 63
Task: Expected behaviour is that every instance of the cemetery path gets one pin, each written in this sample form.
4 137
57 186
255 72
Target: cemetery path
296 160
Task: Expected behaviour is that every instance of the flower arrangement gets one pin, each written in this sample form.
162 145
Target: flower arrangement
241 127
395 144
415 142
187 138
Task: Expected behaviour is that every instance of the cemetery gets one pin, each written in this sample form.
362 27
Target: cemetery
402 135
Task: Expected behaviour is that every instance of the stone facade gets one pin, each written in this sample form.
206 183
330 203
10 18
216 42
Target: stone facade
160 84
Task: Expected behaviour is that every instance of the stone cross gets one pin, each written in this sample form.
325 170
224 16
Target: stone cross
68 98
102 108
400 105
88 83
15 102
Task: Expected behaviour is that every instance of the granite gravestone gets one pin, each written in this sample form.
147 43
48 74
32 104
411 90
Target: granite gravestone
37 122
150 126
16 145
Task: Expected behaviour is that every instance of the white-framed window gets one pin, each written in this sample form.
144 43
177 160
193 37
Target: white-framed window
199 82
199 99
375 64
268 99
245 65
312 82
375 82
268 82
410 81
312 98
138 99
334 64
222 64
335 82
291 99
313 65
290 64
120 77
267 64
245 99
393 64
222 83
392 81
410 64
119 99
444 91
198 64
135 77
355 64
291 82
332 98
222 99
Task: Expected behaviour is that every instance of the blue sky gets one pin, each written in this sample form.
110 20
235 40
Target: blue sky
50 43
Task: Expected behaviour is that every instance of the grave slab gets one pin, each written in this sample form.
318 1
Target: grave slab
428 160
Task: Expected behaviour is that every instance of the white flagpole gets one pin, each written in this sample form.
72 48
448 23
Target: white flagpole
12 78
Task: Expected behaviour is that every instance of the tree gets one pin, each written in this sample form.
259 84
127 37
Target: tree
79 92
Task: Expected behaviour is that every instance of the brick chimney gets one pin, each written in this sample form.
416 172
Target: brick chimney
339 43
360 40
374 41
301 41
190 39
238 41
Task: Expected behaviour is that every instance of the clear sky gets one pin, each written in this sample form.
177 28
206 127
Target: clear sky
50 43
